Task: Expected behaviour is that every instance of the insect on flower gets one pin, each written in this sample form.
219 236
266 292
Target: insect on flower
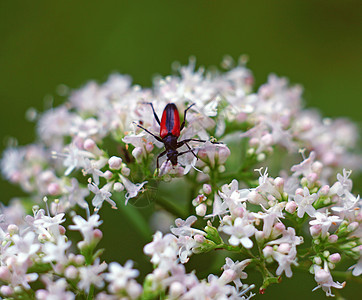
170 130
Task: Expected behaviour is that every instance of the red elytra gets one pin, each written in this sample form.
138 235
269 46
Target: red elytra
170 121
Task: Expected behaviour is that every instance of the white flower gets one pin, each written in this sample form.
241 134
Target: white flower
305 203
119 276
325 281
101 195
54 290
240 232
86 227
238 267
56 252
184 227
132 189
91 275
24 247
325 221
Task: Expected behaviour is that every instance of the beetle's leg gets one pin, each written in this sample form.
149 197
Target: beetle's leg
183 123
197 140
179 144
155 136
184 152
158 157
154 113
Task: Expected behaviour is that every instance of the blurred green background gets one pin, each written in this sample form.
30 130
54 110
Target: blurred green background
47 43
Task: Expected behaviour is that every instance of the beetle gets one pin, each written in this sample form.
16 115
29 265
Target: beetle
170 130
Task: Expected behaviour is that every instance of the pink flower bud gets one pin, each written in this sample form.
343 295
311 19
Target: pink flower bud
299 191
97 235
334 258
315 230
254 142
267 139
279 183
239 211
89 145
224 153
118 187
71 272
201 209
291 207
177 289
284 248
160 274
324 190
199 238
62 229
54 189
255 198
41 294
333 238
207 189
268 251
13 229
6 290
312 177
107 175
79 259
5 273
279 227
125 171
115 163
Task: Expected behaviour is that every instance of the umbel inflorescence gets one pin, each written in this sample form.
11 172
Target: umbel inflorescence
90 151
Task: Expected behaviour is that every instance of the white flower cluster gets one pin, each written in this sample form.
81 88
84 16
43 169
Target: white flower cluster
90 150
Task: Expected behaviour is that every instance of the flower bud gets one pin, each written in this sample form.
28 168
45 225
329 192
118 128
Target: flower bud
6 290
54 189
279 183
199 238
176 289
317 167
62 229
79 259
268 251
324 190
201 209
107 175
353 226
125 171
71 272
13 229
317 260
5 273
284 248
299 191
315 230
291 207
118 187
115 163
333 238
259 236
89 145
312 177
207 189
334 258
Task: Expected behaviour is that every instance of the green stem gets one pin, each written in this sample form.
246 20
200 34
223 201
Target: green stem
170 207
91 292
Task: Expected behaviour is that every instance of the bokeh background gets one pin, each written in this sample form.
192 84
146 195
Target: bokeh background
47 43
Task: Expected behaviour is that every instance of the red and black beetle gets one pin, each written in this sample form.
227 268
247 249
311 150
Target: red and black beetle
170 129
